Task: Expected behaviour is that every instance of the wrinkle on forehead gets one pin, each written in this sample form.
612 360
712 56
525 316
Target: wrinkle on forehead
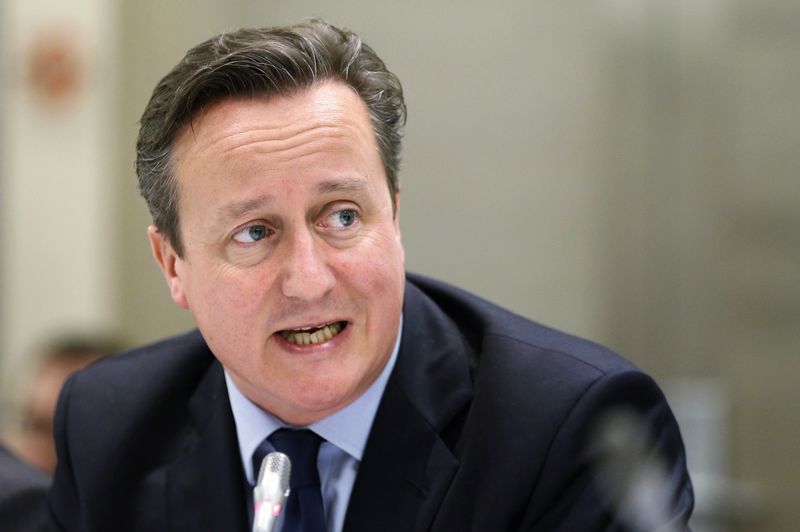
284 123
303 141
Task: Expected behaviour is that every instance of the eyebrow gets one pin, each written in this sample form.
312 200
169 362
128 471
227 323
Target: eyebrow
350 184
239 208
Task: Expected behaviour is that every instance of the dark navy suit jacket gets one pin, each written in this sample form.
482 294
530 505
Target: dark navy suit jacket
485 424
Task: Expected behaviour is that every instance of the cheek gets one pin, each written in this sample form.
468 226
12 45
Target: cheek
376 272
228 299
380 284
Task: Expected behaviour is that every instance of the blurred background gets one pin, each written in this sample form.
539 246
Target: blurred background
625 170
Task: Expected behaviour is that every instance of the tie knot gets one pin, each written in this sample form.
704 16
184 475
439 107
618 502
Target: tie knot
302 447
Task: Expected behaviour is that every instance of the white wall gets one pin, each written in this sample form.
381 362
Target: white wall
58 191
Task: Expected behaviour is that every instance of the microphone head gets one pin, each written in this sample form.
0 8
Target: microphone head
276 468
271 491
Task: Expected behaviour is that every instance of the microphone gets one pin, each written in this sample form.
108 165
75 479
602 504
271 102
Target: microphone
271 491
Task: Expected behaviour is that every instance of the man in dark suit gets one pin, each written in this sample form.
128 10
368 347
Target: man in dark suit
269 161
23 495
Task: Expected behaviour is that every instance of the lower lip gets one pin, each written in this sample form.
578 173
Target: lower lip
313 348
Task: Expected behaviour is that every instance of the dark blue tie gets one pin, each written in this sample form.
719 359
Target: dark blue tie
303 511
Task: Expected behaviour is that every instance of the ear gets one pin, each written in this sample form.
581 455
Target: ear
169 262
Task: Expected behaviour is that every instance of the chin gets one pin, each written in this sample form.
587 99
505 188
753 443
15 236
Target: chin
320 400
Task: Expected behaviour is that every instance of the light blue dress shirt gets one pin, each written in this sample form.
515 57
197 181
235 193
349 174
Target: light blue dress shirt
345 434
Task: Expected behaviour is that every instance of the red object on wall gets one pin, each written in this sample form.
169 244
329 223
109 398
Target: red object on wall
54 67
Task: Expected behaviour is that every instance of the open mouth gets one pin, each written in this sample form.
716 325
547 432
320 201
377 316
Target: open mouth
313 335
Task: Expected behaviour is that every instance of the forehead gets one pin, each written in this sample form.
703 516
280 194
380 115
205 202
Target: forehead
245 155
276 123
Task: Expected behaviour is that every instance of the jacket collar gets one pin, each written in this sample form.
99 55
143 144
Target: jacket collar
409 460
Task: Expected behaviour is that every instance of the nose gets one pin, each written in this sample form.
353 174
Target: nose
307 275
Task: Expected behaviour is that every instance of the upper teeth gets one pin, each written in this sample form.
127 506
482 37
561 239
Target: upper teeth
318 335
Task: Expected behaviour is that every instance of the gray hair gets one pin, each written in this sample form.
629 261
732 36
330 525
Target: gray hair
263 62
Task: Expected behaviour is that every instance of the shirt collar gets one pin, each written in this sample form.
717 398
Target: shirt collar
347 428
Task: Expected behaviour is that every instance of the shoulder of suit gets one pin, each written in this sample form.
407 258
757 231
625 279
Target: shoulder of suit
179 353
503 338
154 374
529 382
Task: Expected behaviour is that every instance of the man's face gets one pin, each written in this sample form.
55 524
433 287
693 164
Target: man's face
292 264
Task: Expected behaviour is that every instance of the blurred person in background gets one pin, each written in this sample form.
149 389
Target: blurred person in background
32 439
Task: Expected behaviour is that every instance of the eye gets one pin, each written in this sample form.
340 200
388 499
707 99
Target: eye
251 234
343 218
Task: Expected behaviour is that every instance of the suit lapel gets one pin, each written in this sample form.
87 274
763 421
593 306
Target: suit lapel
408 462
205 485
